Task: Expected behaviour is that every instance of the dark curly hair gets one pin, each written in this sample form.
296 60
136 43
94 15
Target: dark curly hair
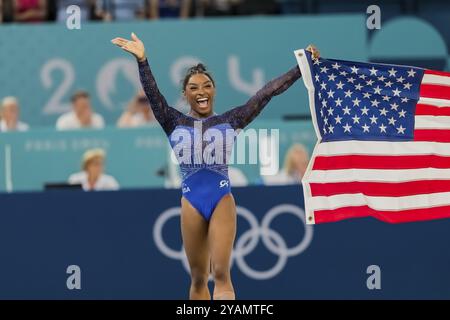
200 68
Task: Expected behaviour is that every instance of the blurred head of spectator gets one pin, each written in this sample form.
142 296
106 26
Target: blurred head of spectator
120 10
9 113
92 176
295 164
138 113
81 105
296 161
30 10
93 164
169 8
81 116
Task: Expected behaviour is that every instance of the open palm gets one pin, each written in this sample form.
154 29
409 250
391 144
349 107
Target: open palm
133 46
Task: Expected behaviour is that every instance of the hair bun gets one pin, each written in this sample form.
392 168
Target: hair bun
196 69
200 67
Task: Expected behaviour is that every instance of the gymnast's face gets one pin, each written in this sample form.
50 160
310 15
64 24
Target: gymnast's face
200 92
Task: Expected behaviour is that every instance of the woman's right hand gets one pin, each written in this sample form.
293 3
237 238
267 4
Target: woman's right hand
314 51
133 46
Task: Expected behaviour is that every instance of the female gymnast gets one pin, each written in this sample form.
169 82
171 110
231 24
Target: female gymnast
208 210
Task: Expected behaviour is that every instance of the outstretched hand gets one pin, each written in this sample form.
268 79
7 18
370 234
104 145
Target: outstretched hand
314 51
133 46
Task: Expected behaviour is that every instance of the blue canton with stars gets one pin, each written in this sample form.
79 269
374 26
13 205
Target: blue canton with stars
365 101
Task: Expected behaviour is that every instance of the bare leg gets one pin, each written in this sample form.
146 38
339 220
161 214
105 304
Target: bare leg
222 232
194 230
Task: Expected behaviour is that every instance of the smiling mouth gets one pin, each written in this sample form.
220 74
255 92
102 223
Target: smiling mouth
202 102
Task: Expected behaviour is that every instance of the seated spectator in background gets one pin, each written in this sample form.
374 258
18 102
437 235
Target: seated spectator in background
120 10
81 115
92 177
218 7
169 9
6 11
9 114
295 164
137 114
30 10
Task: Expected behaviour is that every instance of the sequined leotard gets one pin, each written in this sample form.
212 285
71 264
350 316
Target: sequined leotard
203 146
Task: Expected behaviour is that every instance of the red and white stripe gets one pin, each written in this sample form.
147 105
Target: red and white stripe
392 181
432 119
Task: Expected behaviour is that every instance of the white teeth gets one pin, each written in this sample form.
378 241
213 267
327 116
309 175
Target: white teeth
202 100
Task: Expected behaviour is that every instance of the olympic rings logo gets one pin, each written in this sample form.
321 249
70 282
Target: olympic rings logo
247 241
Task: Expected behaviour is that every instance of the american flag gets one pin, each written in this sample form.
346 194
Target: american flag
383 145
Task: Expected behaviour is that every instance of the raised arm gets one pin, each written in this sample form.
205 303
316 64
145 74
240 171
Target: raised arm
241 116
162 111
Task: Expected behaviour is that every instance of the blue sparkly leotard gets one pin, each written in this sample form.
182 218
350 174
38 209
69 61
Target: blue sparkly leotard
203 146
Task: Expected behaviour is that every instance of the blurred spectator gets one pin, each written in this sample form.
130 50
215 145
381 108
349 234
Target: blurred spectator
51 10
98 12
258 7
137 114
169 8
218 7
10 116
30 10
121 10
295 164
81 115
92 176
237 177
6 11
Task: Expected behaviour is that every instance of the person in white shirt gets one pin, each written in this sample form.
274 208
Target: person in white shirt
9 113
237 177
92 177
138 113
81 116
295 164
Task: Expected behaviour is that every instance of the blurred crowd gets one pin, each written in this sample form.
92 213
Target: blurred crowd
81 116
138 113
126 10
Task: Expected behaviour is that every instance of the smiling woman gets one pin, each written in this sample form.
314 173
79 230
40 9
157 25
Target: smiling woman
199 90
208 210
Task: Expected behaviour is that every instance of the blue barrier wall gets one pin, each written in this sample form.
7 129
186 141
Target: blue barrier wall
111 236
